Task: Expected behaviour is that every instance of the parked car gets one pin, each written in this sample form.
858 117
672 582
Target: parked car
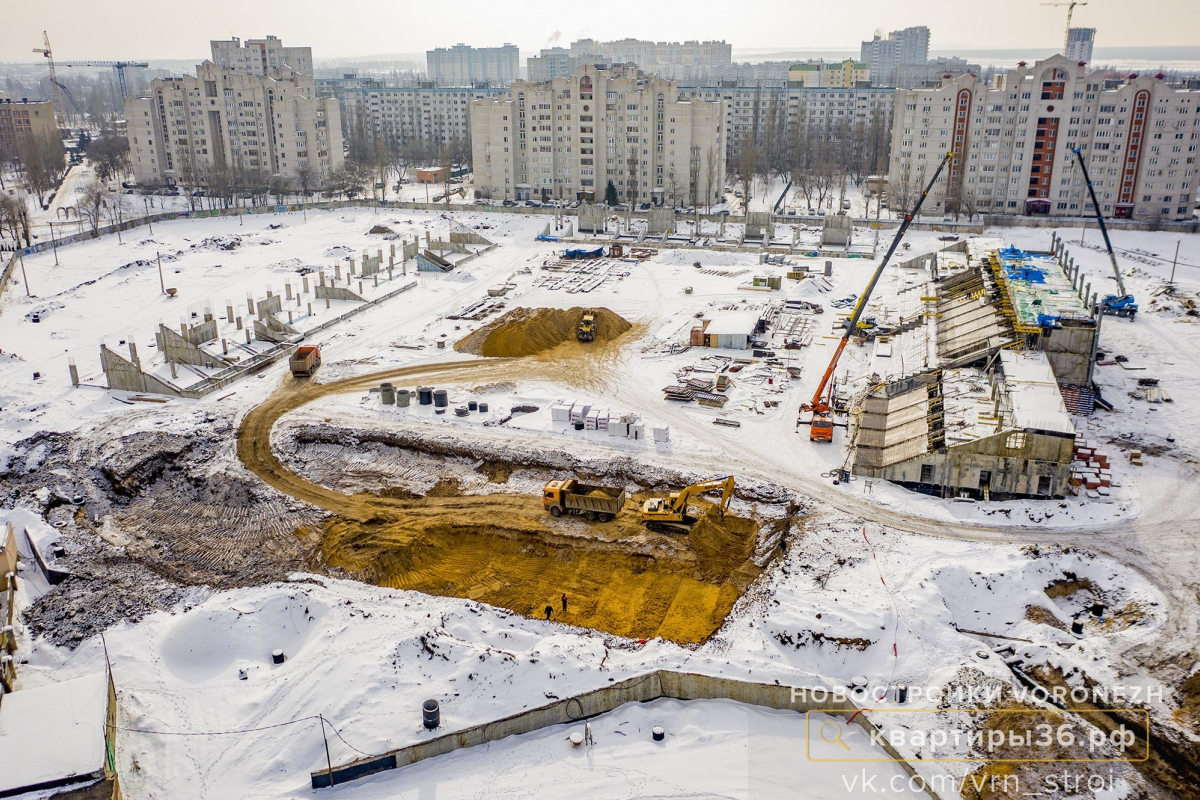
643 207
509 203
845 205
724 212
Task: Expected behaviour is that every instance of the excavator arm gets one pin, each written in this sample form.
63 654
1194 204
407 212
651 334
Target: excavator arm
679 502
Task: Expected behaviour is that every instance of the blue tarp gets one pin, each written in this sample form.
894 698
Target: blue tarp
581 252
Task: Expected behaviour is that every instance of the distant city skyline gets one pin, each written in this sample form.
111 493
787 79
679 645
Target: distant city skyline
140 29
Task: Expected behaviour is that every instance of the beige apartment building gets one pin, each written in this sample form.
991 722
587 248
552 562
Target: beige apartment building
567 138
846 74
1014 141
23 121
254 114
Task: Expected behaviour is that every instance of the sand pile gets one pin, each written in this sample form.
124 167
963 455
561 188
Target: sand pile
525 331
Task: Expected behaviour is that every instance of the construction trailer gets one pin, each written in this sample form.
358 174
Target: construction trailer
995 433
731 330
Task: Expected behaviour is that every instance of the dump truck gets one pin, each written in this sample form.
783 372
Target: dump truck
305 360
587 326
588 500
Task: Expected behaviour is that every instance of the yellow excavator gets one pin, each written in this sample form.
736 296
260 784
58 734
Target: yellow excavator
670 514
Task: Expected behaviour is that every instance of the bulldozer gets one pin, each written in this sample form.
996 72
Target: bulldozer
587 326
670 514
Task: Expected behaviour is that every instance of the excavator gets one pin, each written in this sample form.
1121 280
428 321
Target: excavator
587 326
1122 304
670 514
821 405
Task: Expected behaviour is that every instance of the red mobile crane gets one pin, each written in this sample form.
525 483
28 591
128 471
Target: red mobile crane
821 424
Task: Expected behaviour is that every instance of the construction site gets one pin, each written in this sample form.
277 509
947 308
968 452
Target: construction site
529 472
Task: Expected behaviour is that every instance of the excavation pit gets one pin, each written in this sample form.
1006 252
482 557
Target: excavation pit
505 550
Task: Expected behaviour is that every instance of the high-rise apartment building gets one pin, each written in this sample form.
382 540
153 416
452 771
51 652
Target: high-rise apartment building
836 75
266 58
1079 44
677 61
550 63
568 138
461 65
1014 142
883 56
437 117
23 121
254 115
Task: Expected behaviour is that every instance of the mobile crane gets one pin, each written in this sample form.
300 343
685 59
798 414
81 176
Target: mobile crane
821 423
669 514
1123 303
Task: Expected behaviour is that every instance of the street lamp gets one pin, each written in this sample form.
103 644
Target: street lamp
146 205
54 243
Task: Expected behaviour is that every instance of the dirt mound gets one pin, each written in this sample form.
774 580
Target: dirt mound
380 229
526 331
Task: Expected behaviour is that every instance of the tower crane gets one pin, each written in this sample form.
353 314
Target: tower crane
821 424
55 86
118 67
1070 12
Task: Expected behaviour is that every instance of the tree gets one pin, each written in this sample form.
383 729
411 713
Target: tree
14 219
610 194
747 167
712 173
42 162
281 187
304 177
91 203
110 155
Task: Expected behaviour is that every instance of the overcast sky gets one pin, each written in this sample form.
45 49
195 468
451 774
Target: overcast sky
168 29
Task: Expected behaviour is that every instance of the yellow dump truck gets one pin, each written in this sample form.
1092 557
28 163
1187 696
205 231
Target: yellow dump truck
589 500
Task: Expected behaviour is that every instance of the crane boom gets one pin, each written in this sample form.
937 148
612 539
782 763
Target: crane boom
1112 256
817 404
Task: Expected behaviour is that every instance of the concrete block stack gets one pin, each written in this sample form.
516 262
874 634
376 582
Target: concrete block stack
1090 469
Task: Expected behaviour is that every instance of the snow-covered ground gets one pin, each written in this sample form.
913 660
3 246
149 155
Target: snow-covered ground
878 586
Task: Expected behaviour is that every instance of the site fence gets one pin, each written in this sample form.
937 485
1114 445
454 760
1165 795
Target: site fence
8 604
640 689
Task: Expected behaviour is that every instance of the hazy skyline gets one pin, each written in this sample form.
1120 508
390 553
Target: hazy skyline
130 29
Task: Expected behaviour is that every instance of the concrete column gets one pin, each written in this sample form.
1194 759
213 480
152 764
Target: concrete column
250 302
352 264
305 279
133 356
225 347
310 309
289 316
337 271
379 254
376 277
327 301
229 311
1087 292
427 240
322 277
239 323
360 288
287 291
248 337
270 294
74 372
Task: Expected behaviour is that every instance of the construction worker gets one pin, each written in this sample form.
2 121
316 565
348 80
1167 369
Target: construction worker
549 611
564 602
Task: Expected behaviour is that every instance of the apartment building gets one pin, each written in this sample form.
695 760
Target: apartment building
1014 141
265 58
461 65
677 61
550 63
568 138
24 120
226 120
1080 42
755 113
882 55
437 116
836 75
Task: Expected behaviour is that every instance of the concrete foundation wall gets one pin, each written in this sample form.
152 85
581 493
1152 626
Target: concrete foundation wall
203 332
1069 350
591 219
640 689
125 376
179 350
336 293
660 220
269 306
837 230
1014 472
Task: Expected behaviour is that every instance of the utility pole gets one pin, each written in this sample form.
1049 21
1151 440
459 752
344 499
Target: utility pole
54 243
24 277
1083 232
146 205
1171 282
161 284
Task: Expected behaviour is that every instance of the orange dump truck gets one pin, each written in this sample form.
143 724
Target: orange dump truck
591 501
305 360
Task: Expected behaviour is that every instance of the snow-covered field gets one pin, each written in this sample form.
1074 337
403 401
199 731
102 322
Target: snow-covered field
883 583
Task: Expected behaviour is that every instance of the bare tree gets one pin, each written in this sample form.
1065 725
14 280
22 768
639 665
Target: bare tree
712 174
110 155
747 169
281 187
304 177
14 219
91 203
42 163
